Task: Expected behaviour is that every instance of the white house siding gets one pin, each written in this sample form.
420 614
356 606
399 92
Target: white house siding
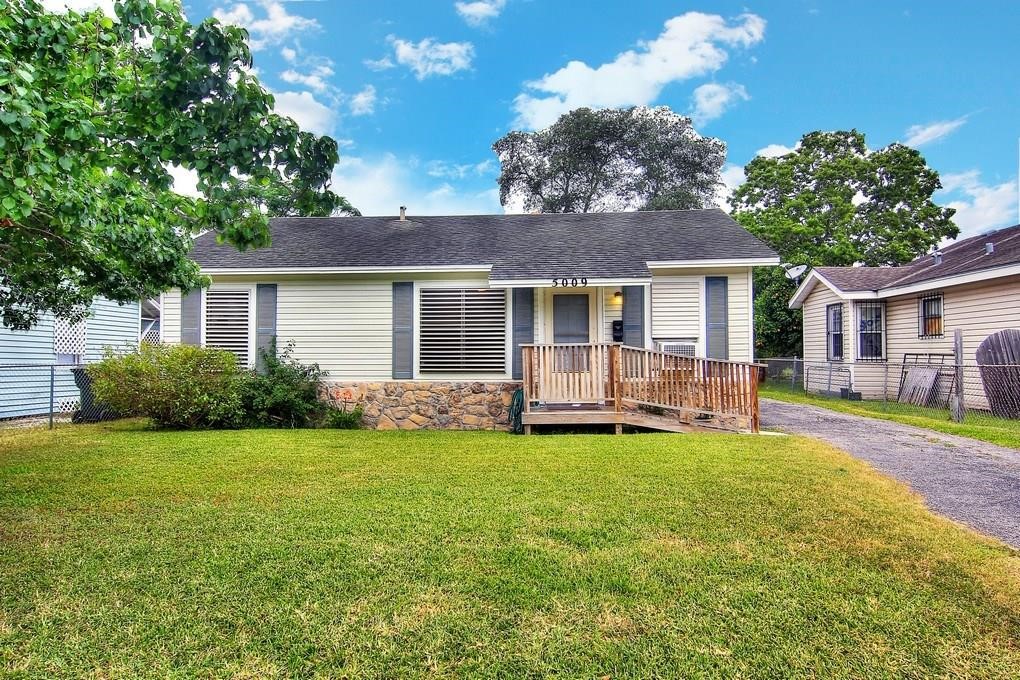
678 307
170 317
344 326
111 325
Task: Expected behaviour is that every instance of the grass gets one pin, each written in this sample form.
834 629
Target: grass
131 553
987 428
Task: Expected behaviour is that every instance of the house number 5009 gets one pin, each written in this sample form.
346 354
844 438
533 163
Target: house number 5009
573 283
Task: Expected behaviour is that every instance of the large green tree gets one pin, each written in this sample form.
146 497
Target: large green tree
608 160
833 202
93 110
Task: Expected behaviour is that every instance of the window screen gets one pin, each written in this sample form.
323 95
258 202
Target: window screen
929 316
462 330
834 332
871 331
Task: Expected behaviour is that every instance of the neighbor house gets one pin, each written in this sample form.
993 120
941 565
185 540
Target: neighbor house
27 358
424 318
863 319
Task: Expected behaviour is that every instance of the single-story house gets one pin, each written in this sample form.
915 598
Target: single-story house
26 357
868 317
423 318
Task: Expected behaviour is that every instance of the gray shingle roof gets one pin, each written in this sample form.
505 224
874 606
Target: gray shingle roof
963 257
518 247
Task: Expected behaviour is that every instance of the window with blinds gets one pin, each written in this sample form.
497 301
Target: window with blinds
462 330
228 322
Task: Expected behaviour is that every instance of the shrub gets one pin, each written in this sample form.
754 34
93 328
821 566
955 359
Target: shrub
179 386
285 393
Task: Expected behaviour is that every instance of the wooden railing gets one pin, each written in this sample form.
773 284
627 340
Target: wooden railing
618 376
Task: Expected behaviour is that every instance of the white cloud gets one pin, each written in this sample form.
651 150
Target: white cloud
316 79
774 151
289 54
310 114
274 26
712 99
690 45
459 170
732 177
428 57
381 185
185 181
918 135
979 207
479 12
363 103
380 64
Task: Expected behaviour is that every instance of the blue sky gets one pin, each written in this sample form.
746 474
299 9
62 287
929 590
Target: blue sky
417 91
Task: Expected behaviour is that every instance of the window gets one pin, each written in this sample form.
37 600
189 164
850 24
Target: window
834 332
462 330
929 316
69 341
228 322
871 331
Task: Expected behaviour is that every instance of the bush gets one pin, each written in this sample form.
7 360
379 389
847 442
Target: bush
285 393
179 386
343 416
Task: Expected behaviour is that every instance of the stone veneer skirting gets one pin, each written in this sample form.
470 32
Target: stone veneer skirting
416 405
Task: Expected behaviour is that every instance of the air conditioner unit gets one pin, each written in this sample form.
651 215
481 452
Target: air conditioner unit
683 348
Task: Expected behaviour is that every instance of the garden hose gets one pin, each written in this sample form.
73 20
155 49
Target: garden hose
516 411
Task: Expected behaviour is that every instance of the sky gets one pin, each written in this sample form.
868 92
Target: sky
416 91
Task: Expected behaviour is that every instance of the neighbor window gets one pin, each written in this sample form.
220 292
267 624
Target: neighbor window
929 316
228 322
69 341
871 331
834 332
462 330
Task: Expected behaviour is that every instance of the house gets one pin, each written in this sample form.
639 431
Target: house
862 319
28 357
424 318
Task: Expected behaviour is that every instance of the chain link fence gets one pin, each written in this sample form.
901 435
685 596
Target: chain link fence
43 394
926 385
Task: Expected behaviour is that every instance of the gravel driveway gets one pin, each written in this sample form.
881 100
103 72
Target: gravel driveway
970 481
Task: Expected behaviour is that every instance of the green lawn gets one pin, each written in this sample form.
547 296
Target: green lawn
977 426
130 553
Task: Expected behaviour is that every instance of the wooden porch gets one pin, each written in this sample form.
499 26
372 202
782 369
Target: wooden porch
612 384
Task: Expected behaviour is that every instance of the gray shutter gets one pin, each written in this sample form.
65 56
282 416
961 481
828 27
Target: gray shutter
634 316
524 326
191 318
717 317
265 321
403 330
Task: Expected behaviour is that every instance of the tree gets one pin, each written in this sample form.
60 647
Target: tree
93 110
834 202
608 160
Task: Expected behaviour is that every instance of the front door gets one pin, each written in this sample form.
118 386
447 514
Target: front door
571 319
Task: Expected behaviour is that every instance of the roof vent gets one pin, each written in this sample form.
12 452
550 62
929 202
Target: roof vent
989 248
403 213
937 256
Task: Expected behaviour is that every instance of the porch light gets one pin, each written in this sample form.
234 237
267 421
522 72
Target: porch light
618 296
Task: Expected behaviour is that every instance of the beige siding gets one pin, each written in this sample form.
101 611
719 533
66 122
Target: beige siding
676 307
612 310
814 324
170 317
978 309
344 326
739 313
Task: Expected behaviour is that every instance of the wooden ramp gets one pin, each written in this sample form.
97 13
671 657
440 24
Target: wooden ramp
609 384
